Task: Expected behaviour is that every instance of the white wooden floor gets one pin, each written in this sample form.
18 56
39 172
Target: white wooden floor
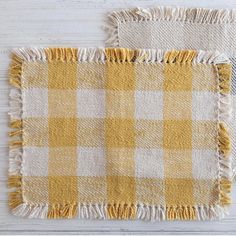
76 23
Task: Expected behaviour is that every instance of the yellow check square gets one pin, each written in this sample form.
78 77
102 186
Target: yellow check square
119 133
61 132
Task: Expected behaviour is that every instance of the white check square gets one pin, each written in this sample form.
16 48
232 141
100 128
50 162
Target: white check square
90 103
35 161
91 162
148 105
35 102
204 105
149 163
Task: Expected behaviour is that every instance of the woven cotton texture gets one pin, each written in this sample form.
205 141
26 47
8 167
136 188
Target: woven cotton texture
179 28
119 134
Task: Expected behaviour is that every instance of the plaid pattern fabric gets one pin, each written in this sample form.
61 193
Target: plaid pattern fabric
119 134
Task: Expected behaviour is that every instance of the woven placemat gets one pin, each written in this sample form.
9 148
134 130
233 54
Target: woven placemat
119 134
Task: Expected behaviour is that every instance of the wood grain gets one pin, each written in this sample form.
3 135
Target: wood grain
76 23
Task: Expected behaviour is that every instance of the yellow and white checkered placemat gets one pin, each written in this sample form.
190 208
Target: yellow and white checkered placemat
119 134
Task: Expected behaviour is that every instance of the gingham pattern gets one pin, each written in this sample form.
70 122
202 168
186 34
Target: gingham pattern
119 132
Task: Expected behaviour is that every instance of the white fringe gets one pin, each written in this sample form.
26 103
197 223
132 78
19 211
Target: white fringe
151 212
225 167
225 114
211 57
15 161
30 54
99 55
190 15
31 211
91 55
99 211
92 211
15 110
